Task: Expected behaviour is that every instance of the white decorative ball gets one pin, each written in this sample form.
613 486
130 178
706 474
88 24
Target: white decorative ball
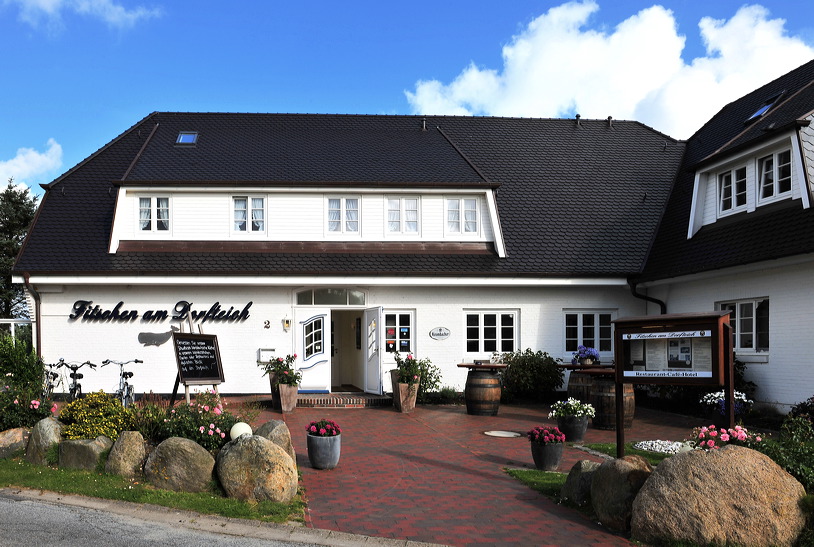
240 428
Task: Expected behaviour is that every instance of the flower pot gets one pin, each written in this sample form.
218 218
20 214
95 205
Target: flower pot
547 457
406 397
394 381
574 427
275 391
288 397
586 361
323 452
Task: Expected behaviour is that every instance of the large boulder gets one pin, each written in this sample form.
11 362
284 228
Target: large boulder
614 486
127 455
13 440
252 468
277 432
46 433
732 496
83 453
577 486
180 464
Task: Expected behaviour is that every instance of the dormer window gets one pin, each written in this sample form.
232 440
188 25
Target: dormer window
187 138
774 175
732 190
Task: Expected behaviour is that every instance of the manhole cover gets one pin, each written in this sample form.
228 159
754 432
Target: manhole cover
502 433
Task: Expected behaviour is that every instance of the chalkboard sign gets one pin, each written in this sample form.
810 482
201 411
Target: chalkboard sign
198 358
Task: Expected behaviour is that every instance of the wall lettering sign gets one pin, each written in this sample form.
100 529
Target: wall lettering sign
86 311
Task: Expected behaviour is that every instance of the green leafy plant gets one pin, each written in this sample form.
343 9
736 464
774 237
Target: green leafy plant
21 408
571 407
95 414
529 374
282 370
420 371
19 365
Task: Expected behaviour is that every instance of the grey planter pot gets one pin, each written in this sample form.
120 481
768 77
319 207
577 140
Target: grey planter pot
324 452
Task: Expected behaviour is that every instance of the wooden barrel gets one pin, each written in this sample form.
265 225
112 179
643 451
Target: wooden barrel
603 397
482 393
579 386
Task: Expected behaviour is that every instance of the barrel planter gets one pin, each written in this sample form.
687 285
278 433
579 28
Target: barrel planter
324 452
482 393
603 398
579 386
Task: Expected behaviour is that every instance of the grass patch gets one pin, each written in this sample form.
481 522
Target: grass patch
548 483
654 458
17 472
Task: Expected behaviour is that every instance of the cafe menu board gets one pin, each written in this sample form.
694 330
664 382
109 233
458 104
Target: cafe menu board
678 354
198 358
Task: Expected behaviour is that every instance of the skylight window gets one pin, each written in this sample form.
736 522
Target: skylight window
765 107
187 137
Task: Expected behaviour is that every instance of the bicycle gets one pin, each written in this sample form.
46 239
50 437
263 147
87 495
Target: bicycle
50 379
75 388
126 392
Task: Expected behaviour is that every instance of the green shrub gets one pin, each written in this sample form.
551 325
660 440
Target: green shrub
19 365
148 419
530 375
93 415
429 375
793 450
20 408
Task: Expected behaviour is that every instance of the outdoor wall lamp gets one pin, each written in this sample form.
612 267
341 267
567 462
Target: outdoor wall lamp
286 324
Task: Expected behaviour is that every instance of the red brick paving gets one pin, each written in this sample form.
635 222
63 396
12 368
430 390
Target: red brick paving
433 475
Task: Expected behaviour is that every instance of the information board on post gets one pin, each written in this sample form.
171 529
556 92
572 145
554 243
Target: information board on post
198 358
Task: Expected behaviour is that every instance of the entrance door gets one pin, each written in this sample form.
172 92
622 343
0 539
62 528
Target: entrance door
312 334
373 351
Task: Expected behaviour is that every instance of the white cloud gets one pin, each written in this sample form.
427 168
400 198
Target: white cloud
30 164
51 11
558 66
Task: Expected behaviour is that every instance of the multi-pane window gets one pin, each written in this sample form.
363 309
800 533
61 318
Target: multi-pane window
402 215
774 174
732 190
398 332
249 214
588 328
313 332
462 215
343 215
750 323
154 214
489 332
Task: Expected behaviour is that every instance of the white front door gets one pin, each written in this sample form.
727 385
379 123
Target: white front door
312 332
373 350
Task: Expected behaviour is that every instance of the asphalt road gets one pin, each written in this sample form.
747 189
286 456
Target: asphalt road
32 517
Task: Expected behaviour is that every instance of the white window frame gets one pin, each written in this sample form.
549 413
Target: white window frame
154 214
250 208
760 172
464 228
399 336
731 178
344 219
399 225
484 339
570 342
745 322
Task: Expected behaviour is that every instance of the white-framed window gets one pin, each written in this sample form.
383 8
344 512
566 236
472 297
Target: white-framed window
590 328
154 214
774 175
249 214
750 323
398 331
491 331
462 215
313 333
330 296
732 190
402 215
343 215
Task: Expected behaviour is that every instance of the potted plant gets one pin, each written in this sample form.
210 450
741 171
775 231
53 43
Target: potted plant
585 356
284 381
324 443
714 405
546 447
406 377
572 417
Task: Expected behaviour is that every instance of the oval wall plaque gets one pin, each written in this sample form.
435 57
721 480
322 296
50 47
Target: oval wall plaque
439 333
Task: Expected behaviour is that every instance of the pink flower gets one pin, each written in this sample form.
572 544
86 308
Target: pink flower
54 409
172 411
713 433
211 432
313 429
211 426
711 443
218 410
279 359
322 431
295 356
201 429
206 408
16 402
724 437
222 435
758 439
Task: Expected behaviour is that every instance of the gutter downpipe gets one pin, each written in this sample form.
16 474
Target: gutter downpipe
637 294
37 312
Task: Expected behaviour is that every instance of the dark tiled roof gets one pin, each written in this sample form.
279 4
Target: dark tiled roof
573 200
773 232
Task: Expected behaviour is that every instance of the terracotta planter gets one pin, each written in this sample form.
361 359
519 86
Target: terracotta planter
547 457
288 397
406 397
323 452
573 427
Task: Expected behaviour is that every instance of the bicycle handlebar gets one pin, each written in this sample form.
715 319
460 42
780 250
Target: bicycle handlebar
120 363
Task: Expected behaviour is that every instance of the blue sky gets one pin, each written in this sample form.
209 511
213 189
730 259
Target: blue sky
76 73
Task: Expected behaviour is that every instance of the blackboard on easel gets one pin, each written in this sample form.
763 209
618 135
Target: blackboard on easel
198 358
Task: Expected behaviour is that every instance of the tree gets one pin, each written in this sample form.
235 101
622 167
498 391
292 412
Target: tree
17 208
